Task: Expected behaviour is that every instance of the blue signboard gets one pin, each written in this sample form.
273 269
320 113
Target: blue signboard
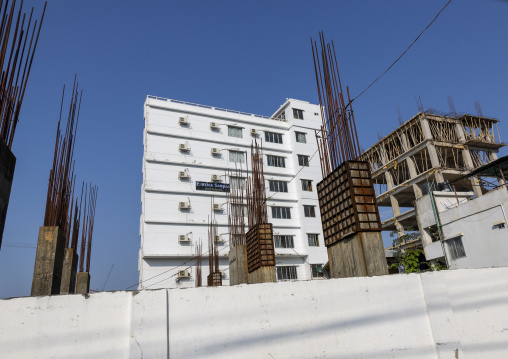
212 186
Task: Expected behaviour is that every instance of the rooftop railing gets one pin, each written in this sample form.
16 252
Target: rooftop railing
216 108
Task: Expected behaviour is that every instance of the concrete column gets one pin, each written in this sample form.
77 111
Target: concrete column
214 279
69 271
238 265
260 254
48 262
468 160
412 173
359 255
394 202
83 283
262 275
7 164
426 128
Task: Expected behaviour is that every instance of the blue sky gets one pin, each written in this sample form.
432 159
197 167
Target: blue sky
247 56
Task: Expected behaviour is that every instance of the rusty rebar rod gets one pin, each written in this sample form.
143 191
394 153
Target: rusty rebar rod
16 70
338 137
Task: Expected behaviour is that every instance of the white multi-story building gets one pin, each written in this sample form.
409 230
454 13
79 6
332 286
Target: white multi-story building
187 147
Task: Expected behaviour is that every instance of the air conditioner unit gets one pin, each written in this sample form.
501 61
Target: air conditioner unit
214 125
183 274
183 121
184 205
254 132
183 238
217 207
183 174
216 178
215 151
218 239
184 147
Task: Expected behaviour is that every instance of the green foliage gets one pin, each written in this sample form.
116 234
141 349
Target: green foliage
407 259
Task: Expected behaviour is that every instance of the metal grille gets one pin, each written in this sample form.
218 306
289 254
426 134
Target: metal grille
260 249
347 202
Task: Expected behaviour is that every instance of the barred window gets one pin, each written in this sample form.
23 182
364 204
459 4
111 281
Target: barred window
456 248
234 131
313 239
237 182
300 137
278 186
286 273
298 114
281 212
273 137
276 161
309 211
237 156
317 270
303 160
306 185
283 241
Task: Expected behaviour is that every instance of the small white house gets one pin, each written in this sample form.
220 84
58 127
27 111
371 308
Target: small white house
474 231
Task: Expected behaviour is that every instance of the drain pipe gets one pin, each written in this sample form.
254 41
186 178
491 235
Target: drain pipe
436 218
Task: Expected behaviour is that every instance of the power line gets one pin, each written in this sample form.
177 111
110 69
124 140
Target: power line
398 58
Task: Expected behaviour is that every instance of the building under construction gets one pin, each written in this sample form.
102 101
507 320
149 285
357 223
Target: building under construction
428 152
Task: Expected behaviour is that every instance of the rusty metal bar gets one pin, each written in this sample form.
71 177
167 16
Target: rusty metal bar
16 70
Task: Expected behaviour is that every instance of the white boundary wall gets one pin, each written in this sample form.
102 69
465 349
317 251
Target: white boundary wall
449 314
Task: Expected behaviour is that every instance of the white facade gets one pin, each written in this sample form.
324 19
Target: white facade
161 254
475 233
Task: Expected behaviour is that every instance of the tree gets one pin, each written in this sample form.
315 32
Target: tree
407 258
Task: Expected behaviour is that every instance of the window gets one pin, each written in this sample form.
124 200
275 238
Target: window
282 116
286 272
234 131
283 242
237 156
236 210
300 137
303 160
237 182
306 185
278 186
309 211
281 212
317 270
313 239
298 114
276 161
456 247
273 137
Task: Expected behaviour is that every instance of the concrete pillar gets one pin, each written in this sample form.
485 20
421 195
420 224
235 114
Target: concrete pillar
413 174
69 271
262 275
359 255
7 164
394 202
83 283
214 279
48 262
238 265
468 160
427 133
260 254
